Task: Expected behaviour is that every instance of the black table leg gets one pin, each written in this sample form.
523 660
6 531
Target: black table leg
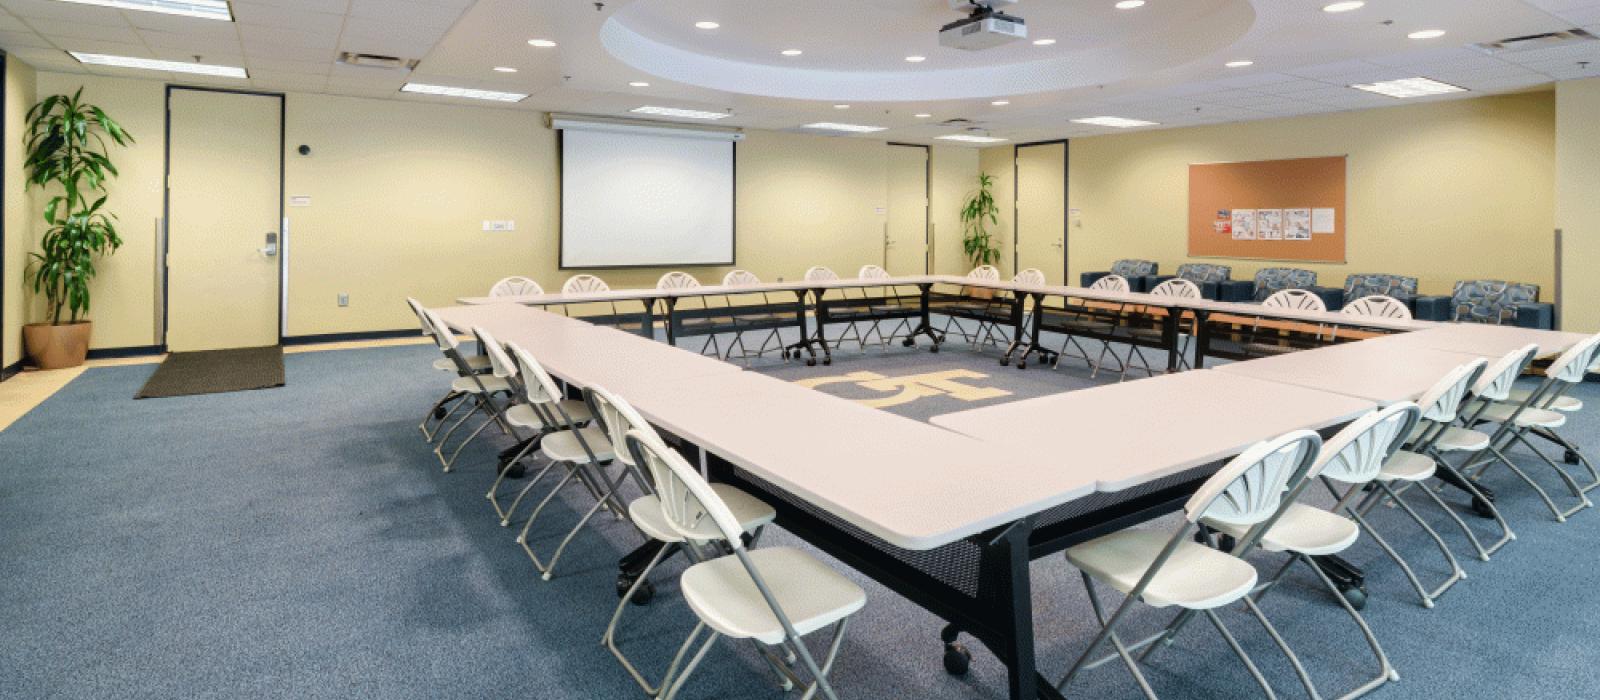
805 334
1202 339
924 320
1019 303
1169 338
672 335
822 325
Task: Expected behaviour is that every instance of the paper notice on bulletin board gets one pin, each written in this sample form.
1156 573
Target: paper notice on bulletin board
1291 210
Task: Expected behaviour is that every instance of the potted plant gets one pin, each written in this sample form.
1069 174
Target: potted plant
66 146
977 214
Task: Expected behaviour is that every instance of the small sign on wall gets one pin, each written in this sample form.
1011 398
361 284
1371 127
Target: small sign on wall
300 200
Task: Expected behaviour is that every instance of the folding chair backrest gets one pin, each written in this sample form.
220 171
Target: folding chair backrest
541 386
499 361
617 417
422 316
1250 488
441 332
1111 283
1356 454
1378 305
1498 379
1295 299
677 280
821 274
985 272
1573 364
686 498
740 278
515 286
577 284
1177 287
872 272
1441 402
1033 277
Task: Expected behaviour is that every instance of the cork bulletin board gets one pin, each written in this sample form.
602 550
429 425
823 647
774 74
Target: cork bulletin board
1292 210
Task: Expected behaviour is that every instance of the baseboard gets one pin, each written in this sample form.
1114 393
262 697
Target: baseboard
349 337
134 351
12 371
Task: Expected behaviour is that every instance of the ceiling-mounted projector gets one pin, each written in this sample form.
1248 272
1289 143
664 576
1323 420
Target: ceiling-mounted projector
984 28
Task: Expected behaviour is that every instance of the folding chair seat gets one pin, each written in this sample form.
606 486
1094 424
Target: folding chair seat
478 363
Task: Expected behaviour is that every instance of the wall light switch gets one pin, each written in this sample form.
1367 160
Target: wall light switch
344 299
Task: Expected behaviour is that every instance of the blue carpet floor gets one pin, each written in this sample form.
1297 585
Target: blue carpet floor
302 543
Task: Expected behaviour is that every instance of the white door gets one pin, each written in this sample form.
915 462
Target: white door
224 205
1042 209
905 238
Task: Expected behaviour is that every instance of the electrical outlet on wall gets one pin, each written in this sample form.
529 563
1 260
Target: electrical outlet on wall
344 299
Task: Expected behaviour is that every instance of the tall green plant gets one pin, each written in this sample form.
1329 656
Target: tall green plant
977 215
66 146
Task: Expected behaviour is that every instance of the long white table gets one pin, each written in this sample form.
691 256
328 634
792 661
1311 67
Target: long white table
1383 370
1490 341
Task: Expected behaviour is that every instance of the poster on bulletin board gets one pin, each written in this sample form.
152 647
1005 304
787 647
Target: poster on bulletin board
1291 210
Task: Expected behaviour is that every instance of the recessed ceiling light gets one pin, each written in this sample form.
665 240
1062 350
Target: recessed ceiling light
100 59
923 115
680 113
542 43
1410 87
706 25
835 126
1118 122
1239 64
638 83
1130 4
969 138
206 9
841 106
1043 42
1426 34
468 93
1344 6
916 59
504 69
792 52
1000 103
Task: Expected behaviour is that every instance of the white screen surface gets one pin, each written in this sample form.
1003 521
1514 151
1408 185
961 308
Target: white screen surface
645 199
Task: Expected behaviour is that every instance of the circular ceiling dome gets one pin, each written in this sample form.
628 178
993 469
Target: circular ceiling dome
856 49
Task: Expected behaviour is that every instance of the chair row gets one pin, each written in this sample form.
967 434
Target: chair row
598 448
1253 506
1475 301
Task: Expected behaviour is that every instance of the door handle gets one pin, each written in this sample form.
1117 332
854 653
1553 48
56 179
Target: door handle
271 248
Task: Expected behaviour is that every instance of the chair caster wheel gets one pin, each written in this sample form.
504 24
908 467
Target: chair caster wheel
1005 362
1356 596
934 349
828 362
811 362
1570 457
957 660
1022 365
1482 509
642 596
908 342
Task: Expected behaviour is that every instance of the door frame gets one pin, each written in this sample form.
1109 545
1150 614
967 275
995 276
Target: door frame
166 201
1066 205
927 201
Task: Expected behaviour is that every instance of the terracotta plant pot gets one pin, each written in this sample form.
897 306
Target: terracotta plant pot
57 347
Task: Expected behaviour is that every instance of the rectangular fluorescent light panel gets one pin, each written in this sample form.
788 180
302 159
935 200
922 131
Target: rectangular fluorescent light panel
99 59
205 9
852 128
969 138
679 113
1410 87
468 93
1117 122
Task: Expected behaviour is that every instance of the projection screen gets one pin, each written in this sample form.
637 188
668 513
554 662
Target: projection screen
639 196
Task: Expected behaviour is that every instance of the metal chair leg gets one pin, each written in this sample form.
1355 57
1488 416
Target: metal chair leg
1386 670
1456 572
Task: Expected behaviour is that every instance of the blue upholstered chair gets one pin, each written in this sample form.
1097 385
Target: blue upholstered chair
1393 286
1272 280
1133 269
1208 277
1500 303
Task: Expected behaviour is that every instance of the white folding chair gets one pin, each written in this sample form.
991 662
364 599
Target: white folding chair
619 418
580 452
1163 571
889 306
478 389
773 596
1379 306
1298 299
1354 456
532 408
476 364
745 278
515 286
1107 283
1554 396
683 280
987 331
1515 419
1177 288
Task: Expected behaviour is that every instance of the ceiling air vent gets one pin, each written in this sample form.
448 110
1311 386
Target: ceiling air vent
372 60
1535 41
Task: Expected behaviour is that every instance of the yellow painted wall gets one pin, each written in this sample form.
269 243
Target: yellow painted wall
1446 191
19 91
399 191
955 175
1578 201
